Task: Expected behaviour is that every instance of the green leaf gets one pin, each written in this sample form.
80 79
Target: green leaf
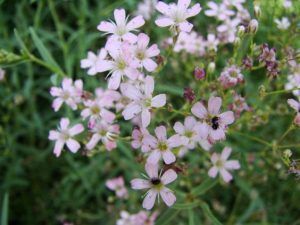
169 89
190 205
167 217
208 213
191 217
21 42
42 49
4 213
204 187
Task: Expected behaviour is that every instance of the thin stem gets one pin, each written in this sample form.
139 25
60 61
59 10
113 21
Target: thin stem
281 91
291 127
253 138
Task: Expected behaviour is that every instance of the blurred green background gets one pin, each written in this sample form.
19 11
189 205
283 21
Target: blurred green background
37 188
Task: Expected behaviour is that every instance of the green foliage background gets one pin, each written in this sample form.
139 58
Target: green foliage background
37 188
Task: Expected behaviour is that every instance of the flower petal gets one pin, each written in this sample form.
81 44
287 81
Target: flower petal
152 170
161 133
168 157
232 165
149 200
227 117
226 175
131 111
64 123
154 157
159 101
105 26
168 196
114 81
73 145
226 153
76 129
93 141
149 65
214 105
164 22
146 117
59 144
199 110
168 177
149 86
135 23
120 17
213 172
138 184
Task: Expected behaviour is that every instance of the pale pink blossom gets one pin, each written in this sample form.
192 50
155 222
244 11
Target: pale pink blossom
142 101
222 165
141 138
215 123
108 97
118 185
176 15
122 62
220 11
104 132
212 42
156 183
64 135
239 105
69 93
161 146
92 61
283 23
296 106
95 110
228 30
238 4
121 29
231 76
144 54
140 218
190 133
146 8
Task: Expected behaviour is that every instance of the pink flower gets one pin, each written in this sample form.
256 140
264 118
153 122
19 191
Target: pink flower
144 54
122 63
215 123
295 105
228 30
219 11
141 139
117 185
92 61
239 105
97 110
107 97
142 101
212 42
231 76
105 132
162 146
121 29
69 93
64 135
156 185
176 15
222 165
190 133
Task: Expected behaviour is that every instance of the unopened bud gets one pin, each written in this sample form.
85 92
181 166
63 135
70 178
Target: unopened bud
189 94
262 91
287 153
241 31
199 73
257 11
237 42
252 26
211 67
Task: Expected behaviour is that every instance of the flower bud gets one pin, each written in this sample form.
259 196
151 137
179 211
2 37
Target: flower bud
189 94
287 153
262 91
211 67
237 42
252 26
297 119
241 31
257 11
199 73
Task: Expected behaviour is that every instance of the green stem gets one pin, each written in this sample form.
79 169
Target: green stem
253 138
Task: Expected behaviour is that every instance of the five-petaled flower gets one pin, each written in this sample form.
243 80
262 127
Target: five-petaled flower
64 135
221 165
157 186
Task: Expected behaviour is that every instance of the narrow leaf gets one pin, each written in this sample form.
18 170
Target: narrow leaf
4 213
204 187
42 49
208 213
167 217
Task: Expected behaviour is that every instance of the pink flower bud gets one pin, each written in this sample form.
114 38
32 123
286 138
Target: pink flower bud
199 73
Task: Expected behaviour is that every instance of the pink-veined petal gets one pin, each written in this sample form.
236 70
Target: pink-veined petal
152 51
93 141
294 104
164 22
168 157
135 23
57 103
76 129
154 157
174 141
146 117
186 26
107 115
149 65
232 165
139 184
213 172
184 4
226 153
227 117
199 110
114 81
214 105
225 175
168 177
149 200
159 101
59 144
168 196
161 133
64 123
179 128
193 11
105 26
149 86
53 135
120 17
152 170
73 145
130 37
131 111
163 8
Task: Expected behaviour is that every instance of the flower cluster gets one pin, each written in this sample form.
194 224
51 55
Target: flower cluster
268 57
128 59
140 218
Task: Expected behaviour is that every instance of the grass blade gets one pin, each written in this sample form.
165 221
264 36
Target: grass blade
208 213
4 213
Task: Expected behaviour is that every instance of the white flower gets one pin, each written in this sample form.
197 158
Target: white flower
283 24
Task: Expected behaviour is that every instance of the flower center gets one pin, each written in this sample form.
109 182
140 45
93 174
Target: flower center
66 95
95 110
162 146
189 134
220 163
65 135
121 65
140 55
215 122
